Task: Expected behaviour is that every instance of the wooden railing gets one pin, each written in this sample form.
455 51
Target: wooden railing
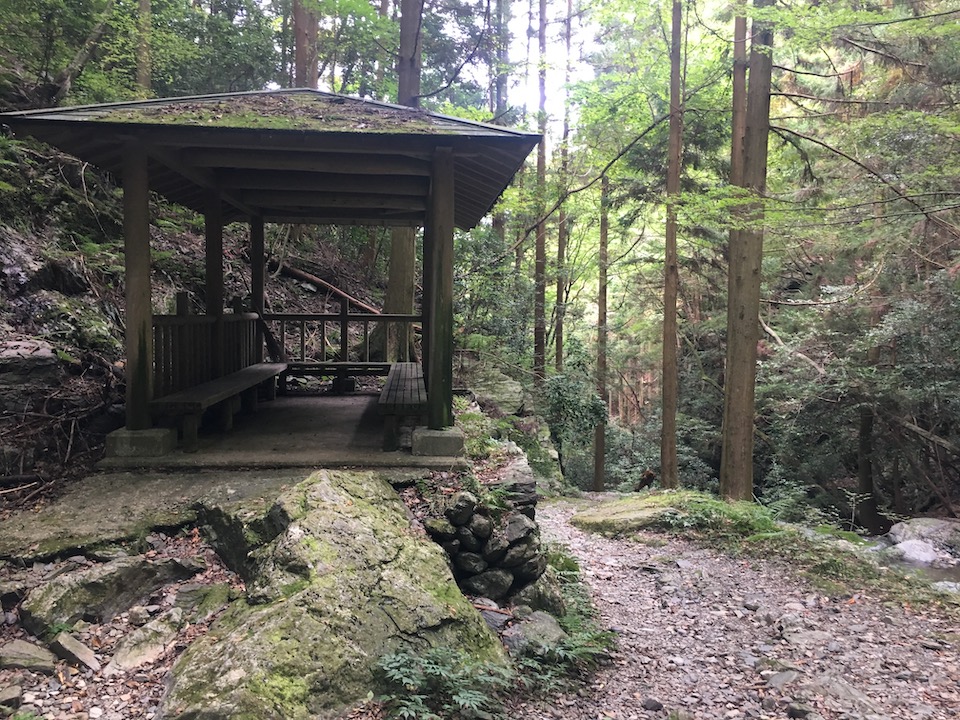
192 349
331 341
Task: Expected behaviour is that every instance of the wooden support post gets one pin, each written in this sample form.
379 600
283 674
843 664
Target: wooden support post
139 312
213 233
257 264
426 304
257 279
440 228
344 332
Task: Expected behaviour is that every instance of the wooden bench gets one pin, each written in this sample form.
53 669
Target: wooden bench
404 395
189 404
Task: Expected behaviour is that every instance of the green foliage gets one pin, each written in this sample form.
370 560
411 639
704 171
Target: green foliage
710 517
441 683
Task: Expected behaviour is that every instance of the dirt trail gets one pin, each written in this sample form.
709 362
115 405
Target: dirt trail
703 635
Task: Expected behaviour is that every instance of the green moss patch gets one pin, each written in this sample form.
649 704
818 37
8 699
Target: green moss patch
294 111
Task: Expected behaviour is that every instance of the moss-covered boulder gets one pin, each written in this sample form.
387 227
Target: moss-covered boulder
100 592
344 583
619 516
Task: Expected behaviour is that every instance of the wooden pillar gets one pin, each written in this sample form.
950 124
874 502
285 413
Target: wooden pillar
257 275
213 229
139 311
213 233
440 229
257 261
426 303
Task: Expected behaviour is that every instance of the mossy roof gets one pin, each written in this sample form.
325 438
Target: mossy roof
292 155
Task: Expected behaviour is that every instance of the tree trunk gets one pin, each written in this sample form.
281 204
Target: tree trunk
562 230
144 64
669 472
403 241
409 58
540 261
599 438
743 287
305 30
65 78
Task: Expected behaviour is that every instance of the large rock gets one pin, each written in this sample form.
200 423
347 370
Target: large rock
147 644
344 584
21 654
99 592
493 388
543 594
926 541
920 552
72 650
492 584
537 634
937 530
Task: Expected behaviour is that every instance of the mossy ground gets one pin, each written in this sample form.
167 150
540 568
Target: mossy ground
750 529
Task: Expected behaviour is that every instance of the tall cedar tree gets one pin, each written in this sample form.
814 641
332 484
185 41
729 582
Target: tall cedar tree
540 259
599 437
403 241
669 472
743 286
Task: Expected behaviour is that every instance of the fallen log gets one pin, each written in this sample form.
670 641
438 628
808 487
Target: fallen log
302 276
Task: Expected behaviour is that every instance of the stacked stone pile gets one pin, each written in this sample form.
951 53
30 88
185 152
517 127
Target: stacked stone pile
493 554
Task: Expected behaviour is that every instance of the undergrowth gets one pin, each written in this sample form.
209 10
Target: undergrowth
442 683
752 530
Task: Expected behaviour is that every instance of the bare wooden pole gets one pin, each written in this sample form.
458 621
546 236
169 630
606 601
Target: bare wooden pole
139 311
257 278
213 234
440 227
257 266
213 249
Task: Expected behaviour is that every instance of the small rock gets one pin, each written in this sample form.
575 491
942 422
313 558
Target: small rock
10 617
462 507
21 654
11 696
798 710
481 526
440 529
492 583
468 541
751 604
95 712
495 548
146 644
138 615
523 550
782 679
72 650
539 634
518 527
651 704
470 563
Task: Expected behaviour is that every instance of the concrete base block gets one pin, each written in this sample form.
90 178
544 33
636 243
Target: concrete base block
444 443
342 385
141 443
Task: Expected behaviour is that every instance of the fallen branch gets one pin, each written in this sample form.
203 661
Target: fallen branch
929 436
20 488
11 480
283 269
793 351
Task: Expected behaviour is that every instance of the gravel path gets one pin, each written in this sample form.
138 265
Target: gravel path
704 635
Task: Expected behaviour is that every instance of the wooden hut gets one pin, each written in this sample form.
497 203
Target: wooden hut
282 156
